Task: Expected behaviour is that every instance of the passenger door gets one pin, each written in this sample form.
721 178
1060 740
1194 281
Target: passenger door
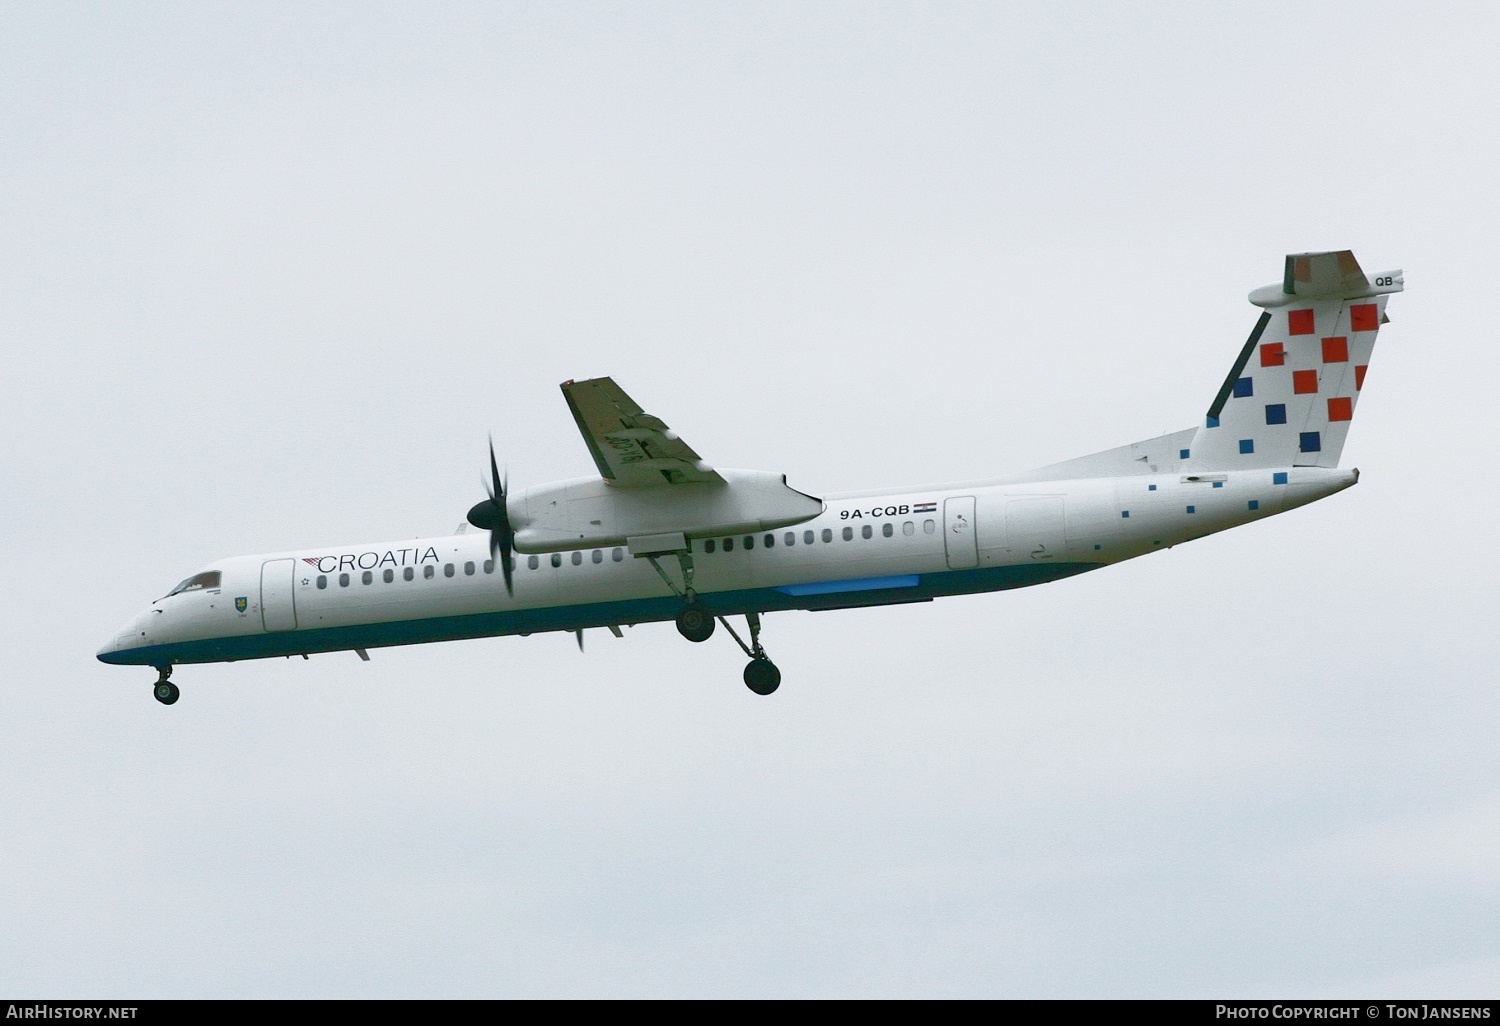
278 603
960 540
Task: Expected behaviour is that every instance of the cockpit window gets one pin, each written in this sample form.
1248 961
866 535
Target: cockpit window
198 582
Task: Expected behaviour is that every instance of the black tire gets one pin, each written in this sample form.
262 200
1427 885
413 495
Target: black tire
166 692
695 623
762 676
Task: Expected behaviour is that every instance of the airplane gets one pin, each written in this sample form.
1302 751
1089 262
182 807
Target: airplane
660 534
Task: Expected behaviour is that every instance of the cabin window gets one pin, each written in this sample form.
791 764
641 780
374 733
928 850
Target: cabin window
557 559
532 562
598 556
908 528
469 568
886 530
577 558
827 534
770 540
489 566
867 531
389 575
197 582
848 534
728 544
343 580
408 574
429 571
617 555
790 539
709 545
928 526
366 577
447 569
322 581
807 537
749 542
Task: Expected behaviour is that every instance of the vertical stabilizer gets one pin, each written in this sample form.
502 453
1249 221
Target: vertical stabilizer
1291 394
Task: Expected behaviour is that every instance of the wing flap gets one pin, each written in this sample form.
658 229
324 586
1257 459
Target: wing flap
631 448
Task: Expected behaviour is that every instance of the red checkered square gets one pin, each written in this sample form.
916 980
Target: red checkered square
1359 376
1304 382
1299 322
1341 408
1272 354
1364 317
1336 350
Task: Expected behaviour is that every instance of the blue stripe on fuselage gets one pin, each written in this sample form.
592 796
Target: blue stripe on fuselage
868 591
860 584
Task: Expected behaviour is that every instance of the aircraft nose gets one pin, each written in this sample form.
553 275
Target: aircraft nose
109 649
113 650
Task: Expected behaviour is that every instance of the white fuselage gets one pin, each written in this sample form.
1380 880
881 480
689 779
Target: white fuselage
863 549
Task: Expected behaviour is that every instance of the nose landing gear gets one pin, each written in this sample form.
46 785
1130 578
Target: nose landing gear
166 692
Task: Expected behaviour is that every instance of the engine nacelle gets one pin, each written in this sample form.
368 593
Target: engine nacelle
591 513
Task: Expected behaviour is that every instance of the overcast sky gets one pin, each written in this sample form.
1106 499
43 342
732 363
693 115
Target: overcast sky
270 273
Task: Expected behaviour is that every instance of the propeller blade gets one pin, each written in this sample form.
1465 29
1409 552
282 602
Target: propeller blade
493 516
498 491
506 562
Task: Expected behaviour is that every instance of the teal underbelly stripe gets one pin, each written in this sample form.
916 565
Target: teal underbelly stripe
865 591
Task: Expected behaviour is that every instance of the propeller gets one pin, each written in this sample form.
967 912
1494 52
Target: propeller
492 516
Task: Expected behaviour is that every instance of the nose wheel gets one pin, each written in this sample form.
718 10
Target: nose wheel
165 691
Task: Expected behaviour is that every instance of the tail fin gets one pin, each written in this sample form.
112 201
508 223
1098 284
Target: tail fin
1290 396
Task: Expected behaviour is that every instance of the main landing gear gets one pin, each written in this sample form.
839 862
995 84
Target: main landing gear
166 692
696 623
761 675
693 621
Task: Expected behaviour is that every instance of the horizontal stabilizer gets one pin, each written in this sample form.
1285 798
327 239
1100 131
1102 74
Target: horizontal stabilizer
1324 276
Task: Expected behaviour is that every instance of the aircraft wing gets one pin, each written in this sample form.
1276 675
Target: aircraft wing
632 448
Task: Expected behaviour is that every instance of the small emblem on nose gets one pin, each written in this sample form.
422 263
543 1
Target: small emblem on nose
241 603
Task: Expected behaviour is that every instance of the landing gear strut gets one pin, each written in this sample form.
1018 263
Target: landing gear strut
166 692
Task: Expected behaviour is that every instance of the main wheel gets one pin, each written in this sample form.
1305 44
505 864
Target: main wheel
694 622
166 692
762 676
